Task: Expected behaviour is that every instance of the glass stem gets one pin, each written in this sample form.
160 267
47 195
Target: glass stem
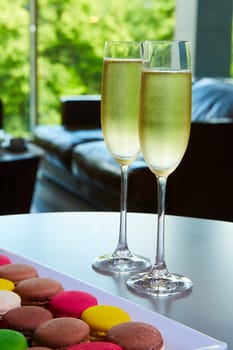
160 265
122 247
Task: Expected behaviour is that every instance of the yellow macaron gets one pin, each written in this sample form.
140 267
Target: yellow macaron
101 318
6 284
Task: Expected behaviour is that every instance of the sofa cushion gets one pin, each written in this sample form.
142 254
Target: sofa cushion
59 141
202 186
81 110
212 100
92 163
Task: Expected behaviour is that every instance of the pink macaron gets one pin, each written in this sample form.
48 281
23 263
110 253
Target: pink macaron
71 303
4 259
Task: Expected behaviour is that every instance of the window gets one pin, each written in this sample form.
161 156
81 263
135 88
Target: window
71 36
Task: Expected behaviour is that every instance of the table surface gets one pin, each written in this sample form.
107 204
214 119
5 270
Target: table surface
200 249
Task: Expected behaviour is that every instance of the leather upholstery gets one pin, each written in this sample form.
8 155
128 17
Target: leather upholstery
202 184
99 169
59 141
212 100
83 110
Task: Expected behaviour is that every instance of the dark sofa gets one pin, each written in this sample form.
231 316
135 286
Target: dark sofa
202 185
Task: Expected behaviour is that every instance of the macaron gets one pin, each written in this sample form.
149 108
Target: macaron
4 259
38 291
17 272
39 348
10 340
136 335
101 318
71 303
96 345
6 284
8 300
26 319
60 333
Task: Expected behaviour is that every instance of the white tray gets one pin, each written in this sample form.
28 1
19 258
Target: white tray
176 336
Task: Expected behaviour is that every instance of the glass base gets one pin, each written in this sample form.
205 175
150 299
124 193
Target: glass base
163 285
111 264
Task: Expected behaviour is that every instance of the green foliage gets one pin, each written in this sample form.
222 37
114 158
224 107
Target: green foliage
14 75
71 36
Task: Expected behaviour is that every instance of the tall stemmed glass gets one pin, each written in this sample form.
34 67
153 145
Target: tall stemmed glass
119 120
164 128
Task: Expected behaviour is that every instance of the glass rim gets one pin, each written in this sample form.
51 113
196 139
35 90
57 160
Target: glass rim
123 42
147 40
166 41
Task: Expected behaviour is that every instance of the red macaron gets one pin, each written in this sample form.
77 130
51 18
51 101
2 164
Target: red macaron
96 345
71 303
4 260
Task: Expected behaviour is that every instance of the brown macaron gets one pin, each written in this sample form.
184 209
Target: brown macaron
136 335
17 272
38 348
60 333
38 291
26 319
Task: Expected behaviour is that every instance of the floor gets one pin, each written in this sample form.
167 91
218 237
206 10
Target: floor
48 197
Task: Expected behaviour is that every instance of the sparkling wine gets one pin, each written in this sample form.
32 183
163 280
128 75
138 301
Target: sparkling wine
164 122
120 107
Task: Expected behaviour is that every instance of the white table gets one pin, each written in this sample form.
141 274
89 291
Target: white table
200 249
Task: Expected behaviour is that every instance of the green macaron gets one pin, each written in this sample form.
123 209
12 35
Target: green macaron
10 339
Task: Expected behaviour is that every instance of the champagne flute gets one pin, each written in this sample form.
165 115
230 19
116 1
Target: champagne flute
164 128
119 120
